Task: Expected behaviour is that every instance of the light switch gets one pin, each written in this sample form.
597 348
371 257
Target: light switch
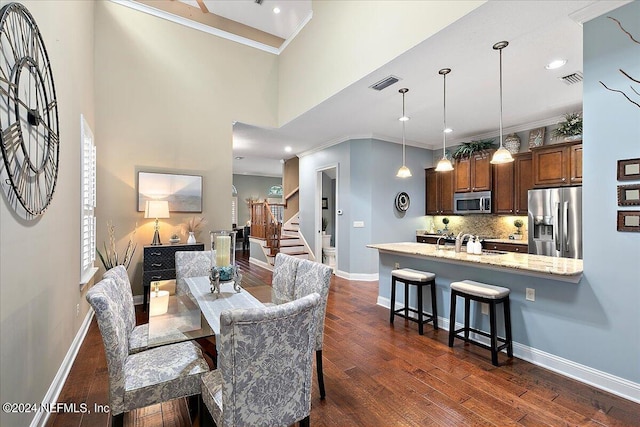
358 224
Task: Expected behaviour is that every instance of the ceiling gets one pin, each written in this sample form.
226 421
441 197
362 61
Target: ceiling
538 32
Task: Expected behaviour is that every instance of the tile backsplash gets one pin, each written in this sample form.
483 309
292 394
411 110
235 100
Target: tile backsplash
481 225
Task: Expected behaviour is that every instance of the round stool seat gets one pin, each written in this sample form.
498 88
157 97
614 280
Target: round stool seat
413 275
480 289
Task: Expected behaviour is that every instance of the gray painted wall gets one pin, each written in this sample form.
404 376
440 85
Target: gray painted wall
593 323
251 185
366 191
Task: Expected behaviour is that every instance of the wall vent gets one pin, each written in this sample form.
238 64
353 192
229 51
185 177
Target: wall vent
572 78
384 83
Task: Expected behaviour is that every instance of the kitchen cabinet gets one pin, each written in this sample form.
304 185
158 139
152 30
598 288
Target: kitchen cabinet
427 239
507 247
557 165
503 188
523 182
439 192
473 173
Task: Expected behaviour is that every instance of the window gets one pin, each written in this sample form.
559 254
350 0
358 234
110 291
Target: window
88 202
234 210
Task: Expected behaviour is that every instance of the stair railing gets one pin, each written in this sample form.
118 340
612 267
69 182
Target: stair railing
266 223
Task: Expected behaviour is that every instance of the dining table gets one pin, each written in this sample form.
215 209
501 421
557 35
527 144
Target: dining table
197 314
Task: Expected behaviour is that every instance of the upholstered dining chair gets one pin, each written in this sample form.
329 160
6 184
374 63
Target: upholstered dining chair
191 264
149 377
137 335
315 277
265 366
283 278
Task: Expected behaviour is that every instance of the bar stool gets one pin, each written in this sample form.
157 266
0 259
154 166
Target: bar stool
492 295
408 277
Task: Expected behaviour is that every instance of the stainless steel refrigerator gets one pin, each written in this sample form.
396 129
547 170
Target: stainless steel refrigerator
555 222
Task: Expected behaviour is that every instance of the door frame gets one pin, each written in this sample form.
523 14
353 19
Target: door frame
318 212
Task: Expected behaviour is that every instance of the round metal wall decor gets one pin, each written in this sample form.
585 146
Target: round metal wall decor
28 114
402 201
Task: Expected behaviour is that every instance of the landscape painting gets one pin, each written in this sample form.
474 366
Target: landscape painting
183 192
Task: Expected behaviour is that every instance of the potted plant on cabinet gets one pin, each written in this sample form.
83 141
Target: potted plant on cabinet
192 228
571 128
518 234
467 149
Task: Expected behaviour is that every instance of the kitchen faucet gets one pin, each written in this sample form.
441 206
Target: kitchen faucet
459 240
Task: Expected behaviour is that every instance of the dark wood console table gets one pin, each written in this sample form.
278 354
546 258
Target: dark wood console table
159 263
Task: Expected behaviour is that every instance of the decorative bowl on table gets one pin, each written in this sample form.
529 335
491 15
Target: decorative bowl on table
174 240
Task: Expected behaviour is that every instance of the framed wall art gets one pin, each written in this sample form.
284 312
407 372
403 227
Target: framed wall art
629 195
183 192
629 221
628 170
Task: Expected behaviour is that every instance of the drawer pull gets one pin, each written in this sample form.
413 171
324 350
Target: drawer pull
156 253
156 265
156 277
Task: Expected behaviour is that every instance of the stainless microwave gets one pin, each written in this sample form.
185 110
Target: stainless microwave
471 203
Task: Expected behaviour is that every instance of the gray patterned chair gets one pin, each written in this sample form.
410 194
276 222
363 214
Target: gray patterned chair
191 264
138 335
265 366
148 377
294 278
315 277
284 278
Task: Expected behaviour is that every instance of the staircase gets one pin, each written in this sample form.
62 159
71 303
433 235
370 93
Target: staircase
274 236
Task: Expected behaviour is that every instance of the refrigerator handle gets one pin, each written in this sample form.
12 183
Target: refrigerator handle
556 224
565 226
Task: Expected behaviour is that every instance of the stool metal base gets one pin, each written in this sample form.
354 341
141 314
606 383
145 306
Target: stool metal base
404 312
463 333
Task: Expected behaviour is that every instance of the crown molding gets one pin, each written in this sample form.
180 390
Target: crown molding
595 9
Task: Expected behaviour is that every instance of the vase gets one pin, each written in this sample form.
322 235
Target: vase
512 143
192 239
573 138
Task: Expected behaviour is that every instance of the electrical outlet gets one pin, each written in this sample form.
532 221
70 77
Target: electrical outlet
484 308
397 265
531 294
77 309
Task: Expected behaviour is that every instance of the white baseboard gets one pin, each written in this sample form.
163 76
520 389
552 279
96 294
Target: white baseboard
585 374
260 263
357 276
41 417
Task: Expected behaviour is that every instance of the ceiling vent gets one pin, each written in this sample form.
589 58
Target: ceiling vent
572 78
384 83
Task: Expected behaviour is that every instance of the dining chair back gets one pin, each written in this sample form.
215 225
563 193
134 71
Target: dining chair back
265 365
192 264
137 336
315 277
148 377
284 278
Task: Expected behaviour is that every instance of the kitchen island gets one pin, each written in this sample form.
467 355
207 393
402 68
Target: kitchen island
560 269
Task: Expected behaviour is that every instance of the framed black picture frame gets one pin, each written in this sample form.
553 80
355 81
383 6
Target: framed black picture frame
183 192
325 203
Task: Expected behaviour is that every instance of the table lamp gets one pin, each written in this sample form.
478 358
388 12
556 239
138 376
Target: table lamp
156 209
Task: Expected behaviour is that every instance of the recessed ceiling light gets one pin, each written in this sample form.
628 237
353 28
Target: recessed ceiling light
555 64
404 118
276 10
239 157
448 130
287 149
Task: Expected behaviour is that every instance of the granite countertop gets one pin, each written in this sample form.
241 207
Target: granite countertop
565 269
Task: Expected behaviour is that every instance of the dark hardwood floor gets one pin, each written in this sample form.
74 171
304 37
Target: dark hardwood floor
382 375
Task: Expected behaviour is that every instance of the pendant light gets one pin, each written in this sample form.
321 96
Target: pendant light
404 171
444 165
501 155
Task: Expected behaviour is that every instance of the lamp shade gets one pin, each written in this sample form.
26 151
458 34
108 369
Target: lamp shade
156 209
501 156
444 165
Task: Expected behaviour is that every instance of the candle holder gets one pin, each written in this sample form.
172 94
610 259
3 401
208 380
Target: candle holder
223 262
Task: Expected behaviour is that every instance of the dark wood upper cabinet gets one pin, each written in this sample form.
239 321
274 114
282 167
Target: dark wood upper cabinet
523 182
473 173
503 188
557 165
439 189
